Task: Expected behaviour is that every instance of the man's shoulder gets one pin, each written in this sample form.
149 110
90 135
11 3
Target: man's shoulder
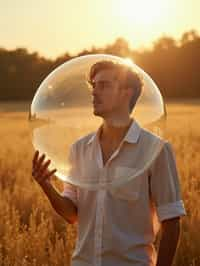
150 136
164 146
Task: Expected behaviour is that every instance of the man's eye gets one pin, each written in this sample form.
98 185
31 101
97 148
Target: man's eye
101 84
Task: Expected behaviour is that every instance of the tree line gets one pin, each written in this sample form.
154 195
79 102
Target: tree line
173 65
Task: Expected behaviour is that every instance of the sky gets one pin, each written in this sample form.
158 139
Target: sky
53 28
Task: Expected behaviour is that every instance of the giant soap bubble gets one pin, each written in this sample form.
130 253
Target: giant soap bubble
62 112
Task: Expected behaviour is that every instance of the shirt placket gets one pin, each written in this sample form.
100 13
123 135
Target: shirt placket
101 194
99 227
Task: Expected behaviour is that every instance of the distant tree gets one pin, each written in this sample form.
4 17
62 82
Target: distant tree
173 65
165 43
120 47
189 37
61 59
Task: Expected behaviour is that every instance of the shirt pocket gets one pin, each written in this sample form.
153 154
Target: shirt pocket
89 174
130 190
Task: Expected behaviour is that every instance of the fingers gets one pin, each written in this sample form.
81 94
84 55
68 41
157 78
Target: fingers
35 157
38 163
51 173
45 176
44 167
40 170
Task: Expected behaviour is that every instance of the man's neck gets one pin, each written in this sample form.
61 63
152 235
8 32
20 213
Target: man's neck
114 132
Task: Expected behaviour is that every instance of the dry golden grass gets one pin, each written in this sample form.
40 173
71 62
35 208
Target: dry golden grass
31 233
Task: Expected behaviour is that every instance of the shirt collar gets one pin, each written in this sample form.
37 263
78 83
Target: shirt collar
131 136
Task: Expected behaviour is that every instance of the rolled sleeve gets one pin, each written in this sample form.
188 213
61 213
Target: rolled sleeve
165 185
69 190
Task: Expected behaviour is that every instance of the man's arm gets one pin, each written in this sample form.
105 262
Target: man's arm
166 194
62 205
170 230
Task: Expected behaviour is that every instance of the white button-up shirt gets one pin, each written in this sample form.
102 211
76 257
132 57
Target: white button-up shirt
117 226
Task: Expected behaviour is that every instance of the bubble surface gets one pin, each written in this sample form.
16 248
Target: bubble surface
62 112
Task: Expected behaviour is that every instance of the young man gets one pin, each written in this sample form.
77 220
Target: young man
118 226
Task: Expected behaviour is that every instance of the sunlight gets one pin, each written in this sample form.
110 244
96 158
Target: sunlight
142 13
128 61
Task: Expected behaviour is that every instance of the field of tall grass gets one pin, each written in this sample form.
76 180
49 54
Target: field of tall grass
31 233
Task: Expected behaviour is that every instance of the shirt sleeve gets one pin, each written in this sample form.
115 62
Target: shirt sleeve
69 190
165 186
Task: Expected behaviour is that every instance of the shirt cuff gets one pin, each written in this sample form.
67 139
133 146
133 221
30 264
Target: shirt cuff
70 195
171 210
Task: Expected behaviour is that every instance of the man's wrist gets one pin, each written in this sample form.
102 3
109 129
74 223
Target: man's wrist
45 184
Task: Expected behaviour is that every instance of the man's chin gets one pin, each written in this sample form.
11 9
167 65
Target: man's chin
96 113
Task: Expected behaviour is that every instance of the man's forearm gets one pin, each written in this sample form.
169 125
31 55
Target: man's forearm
62 205
168 243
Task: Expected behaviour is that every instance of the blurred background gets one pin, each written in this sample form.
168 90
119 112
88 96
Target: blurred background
162 37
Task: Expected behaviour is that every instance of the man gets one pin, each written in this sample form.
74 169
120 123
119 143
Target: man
118 226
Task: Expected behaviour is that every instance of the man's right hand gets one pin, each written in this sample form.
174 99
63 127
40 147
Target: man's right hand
40 170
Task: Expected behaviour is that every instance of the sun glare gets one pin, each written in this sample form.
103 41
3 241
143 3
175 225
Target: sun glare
128 61
142 12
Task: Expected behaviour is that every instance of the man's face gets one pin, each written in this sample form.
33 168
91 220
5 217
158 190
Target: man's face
108 96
